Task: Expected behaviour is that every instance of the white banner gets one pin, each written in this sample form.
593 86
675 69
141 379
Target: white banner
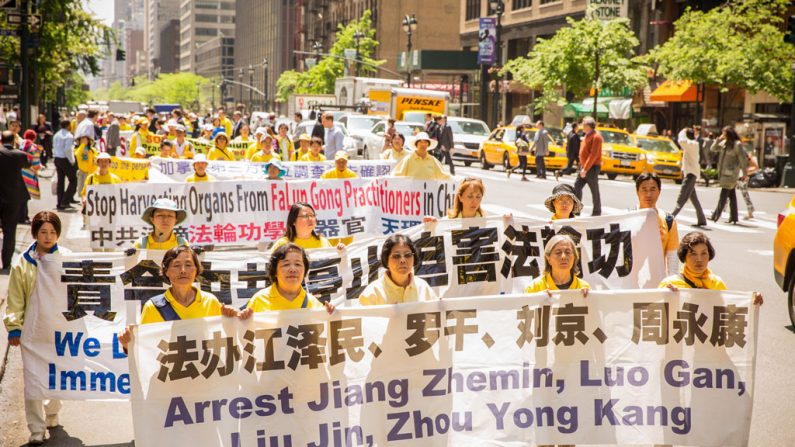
82 300
245 212
177 170
629 367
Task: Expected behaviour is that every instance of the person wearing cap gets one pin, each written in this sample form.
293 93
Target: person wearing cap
163 216
102 176
561 266
563 203
397 151
167 149
171 130
340 169
182 147
303 147
265 153
256 145
648 187
199 170
139 135
219 150
140 153
314 151
420 165
274 169
284 143
207 132
86 157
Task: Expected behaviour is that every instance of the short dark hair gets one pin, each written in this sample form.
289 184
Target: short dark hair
281 253
692 239
690 133
574 125
645 176
391 242
43 217
65 124
283 125
7 137
172 254
328 116
166 142
298 114
399 135
177 112
151 110
289 232
92 113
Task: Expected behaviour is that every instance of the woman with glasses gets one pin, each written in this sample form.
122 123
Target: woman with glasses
300 229
398 284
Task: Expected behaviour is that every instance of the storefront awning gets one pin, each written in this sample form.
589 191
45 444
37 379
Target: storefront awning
618 108
578 109
675 91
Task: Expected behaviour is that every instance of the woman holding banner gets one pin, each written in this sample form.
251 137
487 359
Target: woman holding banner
219 151
301 223
314 151
561 266
274 169
303 147
397 151
695 251
265 152
563 203
46 229
287 270
398 284
467 201
199 170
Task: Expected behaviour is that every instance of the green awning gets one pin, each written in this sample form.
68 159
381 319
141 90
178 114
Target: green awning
578 109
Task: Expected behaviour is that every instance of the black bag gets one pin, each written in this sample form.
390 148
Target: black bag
765 178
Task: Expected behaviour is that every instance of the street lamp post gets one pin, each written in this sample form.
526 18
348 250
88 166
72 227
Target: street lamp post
265 90
212 91
498 7
409 26
250 90
239 86
357 35
198 95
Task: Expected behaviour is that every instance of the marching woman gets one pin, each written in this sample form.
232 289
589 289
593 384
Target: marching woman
398 284
467 201
397 150
163 216
219 150
46 229
300 229
732 165
563 203
560 268
138 137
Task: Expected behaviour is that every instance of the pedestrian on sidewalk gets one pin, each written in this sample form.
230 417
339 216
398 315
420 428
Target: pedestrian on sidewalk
590 165
690 170
753 168
46 229
732 161
44 132
572 149
12 193
64 157
30 175
112 137
540 148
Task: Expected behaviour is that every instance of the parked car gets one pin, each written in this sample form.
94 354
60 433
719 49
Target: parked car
348 143
662 156
619 153
374 141
468 133
500 149
784 256
358 127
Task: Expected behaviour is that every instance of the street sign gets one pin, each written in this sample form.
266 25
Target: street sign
9 4
9 92
9 32
15 18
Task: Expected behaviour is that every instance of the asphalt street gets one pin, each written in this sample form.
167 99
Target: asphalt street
744 260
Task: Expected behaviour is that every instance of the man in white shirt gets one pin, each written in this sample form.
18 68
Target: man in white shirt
86 127
690 171
333 138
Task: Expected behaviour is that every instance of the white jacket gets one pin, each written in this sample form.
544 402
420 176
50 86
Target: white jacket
690 155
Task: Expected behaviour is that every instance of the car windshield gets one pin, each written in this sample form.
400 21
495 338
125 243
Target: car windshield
509 136
657 145
468 127
408 129
361 123
616 137
556 134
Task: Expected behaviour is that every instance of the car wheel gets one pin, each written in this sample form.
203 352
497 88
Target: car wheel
506 162
467 163
366 154
678 182
483 163
612 176
791 303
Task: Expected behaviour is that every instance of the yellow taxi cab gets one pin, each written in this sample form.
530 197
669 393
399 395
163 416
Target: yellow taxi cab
619 153
662 156
500 149
784 256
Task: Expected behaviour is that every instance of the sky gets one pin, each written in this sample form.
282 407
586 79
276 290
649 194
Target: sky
103 9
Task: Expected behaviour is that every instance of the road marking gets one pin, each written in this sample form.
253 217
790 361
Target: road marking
765 253
691 221
501 210
75 231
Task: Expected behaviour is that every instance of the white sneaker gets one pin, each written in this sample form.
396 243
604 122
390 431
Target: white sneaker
36 438
52 420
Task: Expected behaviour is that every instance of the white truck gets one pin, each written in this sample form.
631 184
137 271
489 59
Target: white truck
125 107
303 103
350 90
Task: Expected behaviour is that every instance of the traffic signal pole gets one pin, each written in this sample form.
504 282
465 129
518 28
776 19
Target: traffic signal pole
24 87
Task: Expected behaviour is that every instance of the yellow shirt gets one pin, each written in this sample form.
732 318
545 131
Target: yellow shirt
306 244
136 140
261 157
385 291
335 173
186 147
227 126
418 168
310 157
152 245
545 282
708 280
269 298
205 305
194 178
219 154
391 154
669 238
298 155
97 179
86 158
285 147
252 149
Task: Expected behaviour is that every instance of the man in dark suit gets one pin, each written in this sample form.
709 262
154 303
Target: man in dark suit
445 139
318 131
12 194
237 123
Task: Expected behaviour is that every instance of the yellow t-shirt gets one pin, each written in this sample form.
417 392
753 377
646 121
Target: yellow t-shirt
419 168
545 282
166 245
261 157
220 154
187 149
298 155
391 154
306 244
385 291
269 298
335 173
310 157
193 178
205 305
227 126
86 158
97 179
669 238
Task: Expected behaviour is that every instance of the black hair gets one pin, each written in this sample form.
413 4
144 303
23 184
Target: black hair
173 253
290 233
732 136
644 176
391 242
65 124
43 217
692 239
399 135
281 253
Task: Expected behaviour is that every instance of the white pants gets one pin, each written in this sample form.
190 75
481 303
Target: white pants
35 411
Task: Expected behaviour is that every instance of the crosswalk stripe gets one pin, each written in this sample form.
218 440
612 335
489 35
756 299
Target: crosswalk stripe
75 230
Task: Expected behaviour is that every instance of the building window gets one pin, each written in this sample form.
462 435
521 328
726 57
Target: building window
544 2
472 9
206 18
521 4
206 31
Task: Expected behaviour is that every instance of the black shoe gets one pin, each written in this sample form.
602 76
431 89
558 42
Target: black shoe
74 202
64 208
700 224
25 221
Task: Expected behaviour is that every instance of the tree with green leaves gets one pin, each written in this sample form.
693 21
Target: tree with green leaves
71 41
739 45
587 54
320 79
169 88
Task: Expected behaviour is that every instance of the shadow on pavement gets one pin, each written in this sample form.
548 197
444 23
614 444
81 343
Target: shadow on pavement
59 437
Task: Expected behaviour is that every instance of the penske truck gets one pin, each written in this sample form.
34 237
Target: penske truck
408 104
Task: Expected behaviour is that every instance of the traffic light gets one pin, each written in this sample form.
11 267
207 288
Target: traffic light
790 36
121 55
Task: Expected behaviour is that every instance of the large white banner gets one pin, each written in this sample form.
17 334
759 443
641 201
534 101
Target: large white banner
177 170
629 367
245 212
82 300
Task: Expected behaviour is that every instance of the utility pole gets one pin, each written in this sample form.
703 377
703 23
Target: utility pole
24 60
788 173
265 90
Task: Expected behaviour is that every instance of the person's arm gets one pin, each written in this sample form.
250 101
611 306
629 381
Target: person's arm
16 305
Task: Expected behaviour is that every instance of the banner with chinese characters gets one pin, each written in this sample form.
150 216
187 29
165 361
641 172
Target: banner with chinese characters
246 212
177 170
621 367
